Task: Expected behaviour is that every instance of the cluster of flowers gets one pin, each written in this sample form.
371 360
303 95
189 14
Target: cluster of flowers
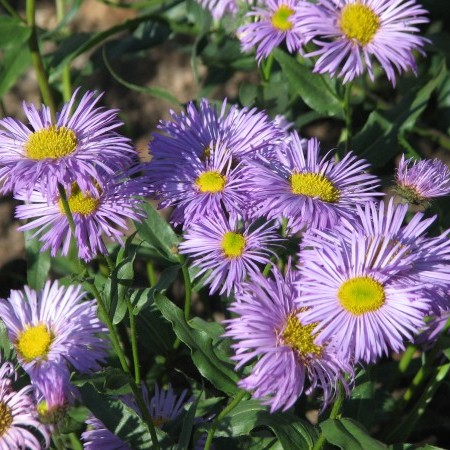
80 158
359 285
347 35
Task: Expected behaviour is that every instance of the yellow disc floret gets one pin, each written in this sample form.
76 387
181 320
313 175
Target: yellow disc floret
314 185
280 19
52 142
233 244
359 22
211 182
79 202
6 418
360 295
300 337
34 342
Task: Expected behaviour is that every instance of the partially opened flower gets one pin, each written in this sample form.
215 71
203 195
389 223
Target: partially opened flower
352 33
364 295
163 407
54 331
220 8
77 147
310 190
19 424
271 25
421 181
270 332
229 250
104 215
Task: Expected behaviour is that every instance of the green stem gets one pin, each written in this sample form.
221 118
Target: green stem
348 116
36 58
151 274
334 414
66 81
134 347
112 331
187 289
266 68
222 415
75 442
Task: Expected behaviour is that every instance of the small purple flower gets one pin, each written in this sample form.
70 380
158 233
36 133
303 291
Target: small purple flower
96 217
362 292
19 422
202 187
220 8
420 181
310 190
53 331
274 24
79 147
164 406
230 251
269 330
351 33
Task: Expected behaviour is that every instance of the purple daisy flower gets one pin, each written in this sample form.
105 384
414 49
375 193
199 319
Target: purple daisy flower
350 33
420 181
310 190
245 133
79 147
19 419
219 8
95 217
270 331
230 251
202 187
275 23
53 331
164 406
361 296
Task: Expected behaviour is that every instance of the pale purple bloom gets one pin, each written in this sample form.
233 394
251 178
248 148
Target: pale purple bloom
244 132
269 26
79 147
106 215
164 406
362 293
19 426
310 190
202 187
352 33
269 331
220 8
419 181
54 331
435 327
228 251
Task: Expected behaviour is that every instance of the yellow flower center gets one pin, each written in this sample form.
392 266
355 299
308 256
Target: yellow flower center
233 244
34 342
80 203
301 337
6 418
314 185
280 19
211 181
361 295
51 143
50 416
359 22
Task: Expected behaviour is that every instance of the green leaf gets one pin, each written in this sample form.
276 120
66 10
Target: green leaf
188 425
12 31
38 262
291 431
316 90
119 418
158 234
16 59
210 363
348 434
